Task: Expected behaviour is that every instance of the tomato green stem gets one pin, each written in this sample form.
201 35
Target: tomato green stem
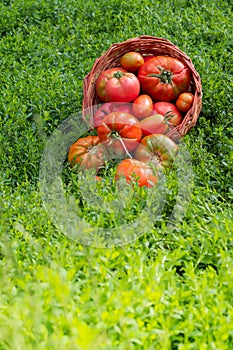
105 112
118 74
169 115
165 75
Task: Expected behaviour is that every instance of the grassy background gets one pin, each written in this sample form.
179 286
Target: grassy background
164 291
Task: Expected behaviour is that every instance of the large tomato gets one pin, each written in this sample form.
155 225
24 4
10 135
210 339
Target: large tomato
164 78
147 57
88 152
185 101
158 149
169 111
136 171
117 85
131 61
120 131
154 124
110 107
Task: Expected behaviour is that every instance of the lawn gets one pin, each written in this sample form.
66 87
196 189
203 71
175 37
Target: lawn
171 286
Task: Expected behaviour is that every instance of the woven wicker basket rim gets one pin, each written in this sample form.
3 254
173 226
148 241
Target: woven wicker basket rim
146 45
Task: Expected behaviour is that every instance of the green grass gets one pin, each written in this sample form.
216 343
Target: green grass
168 289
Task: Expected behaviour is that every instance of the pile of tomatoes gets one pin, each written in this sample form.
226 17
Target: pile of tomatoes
141 101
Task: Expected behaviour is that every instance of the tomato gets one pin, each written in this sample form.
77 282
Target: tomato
110 107
142 106
123 107
154 124
88 152
185 101
169 111
117 85
120 131
147 57
158 149
136 171
164 78
131 61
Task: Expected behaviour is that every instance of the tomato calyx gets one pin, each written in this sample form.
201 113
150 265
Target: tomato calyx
118 74
114 134
165 76
168 116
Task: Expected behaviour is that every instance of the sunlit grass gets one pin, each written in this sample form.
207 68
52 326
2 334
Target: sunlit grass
167 289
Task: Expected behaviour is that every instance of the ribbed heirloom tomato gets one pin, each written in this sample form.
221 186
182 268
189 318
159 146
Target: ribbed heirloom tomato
88 152
147 57
120 132
136 171
117 85
164 78
156 149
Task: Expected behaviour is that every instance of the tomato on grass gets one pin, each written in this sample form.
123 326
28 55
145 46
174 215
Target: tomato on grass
157 149
88 152
117 85
136 171
120 132
164 78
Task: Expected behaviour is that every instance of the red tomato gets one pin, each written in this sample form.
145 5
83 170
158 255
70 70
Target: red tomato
169 111
88 152
136 171
158 149
185 101
123 107
120 131
164 78
131 61
155 124
142 106
110 107
147 58
117 85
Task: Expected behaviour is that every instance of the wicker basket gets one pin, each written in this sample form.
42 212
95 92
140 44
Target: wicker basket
145 45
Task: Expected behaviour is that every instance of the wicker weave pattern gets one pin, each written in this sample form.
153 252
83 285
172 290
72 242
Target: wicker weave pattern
145 45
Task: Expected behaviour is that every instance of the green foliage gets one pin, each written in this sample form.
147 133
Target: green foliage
168 289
